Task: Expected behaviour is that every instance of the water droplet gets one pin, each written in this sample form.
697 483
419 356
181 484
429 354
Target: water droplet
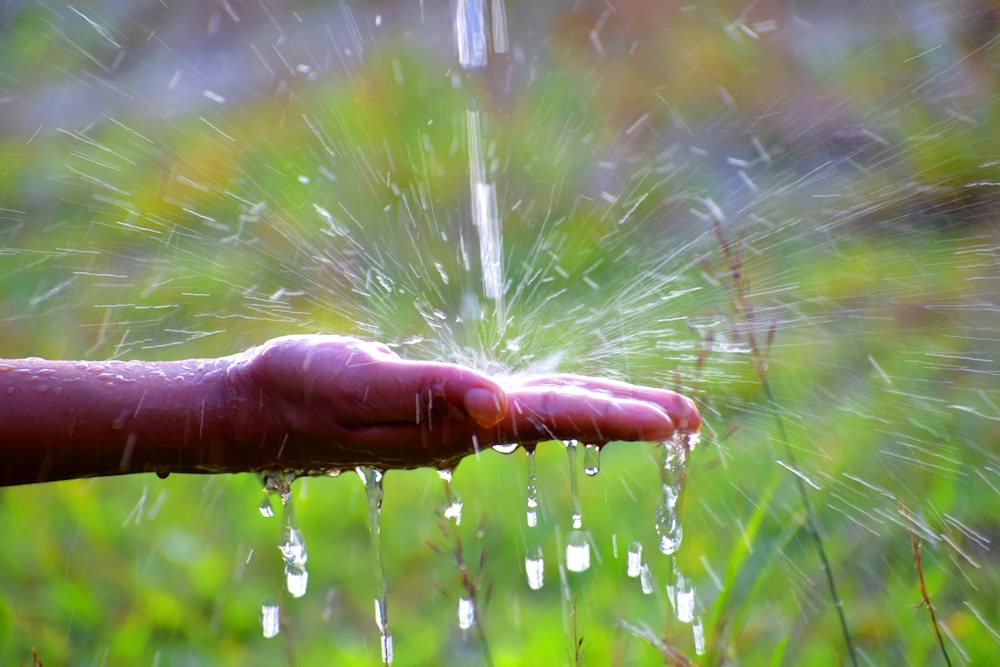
577 551
634 563
296 581
669 529
684 599
265 507
466 613
645 579
534 567
698 631
270 617
162 473
119 421
591 459
506 448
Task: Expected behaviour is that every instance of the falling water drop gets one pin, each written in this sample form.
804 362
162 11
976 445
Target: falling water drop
634 563
532 513
591 459
293 551
684 599
534 567
466 613
270 617
645 579
453 503
698 630
577 551
372 479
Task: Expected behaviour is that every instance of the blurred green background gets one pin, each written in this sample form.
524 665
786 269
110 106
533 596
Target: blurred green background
190 179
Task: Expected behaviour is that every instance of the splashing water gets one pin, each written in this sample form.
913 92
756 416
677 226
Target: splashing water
372 479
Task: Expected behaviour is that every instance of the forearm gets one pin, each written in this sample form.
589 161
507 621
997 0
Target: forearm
69 419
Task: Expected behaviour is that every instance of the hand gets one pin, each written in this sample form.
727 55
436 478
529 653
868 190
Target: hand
348 402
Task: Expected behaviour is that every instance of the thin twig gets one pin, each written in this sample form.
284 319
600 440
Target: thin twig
740 305
925 596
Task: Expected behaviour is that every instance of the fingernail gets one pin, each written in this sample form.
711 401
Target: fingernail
485 407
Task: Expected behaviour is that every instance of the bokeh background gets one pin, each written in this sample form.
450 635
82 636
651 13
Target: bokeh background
724 198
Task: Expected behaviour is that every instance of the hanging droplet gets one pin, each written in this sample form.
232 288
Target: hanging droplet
265 507
506 448
591 459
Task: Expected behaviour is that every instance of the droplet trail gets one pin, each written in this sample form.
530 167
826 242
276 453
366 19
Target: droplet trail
372 479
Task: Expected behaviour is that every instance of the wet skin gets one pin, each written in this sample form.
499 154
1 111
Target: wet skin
306 403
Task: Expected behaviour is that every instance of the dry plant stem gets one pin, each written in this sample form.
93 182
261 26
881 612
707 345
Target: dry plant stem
925 596
471 585
741 306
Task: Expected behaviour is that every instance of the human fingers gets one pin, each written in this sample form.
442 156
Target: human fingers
565 412
681 409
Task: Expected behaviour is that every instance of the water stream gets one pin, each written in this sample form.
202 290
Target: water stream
372 479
